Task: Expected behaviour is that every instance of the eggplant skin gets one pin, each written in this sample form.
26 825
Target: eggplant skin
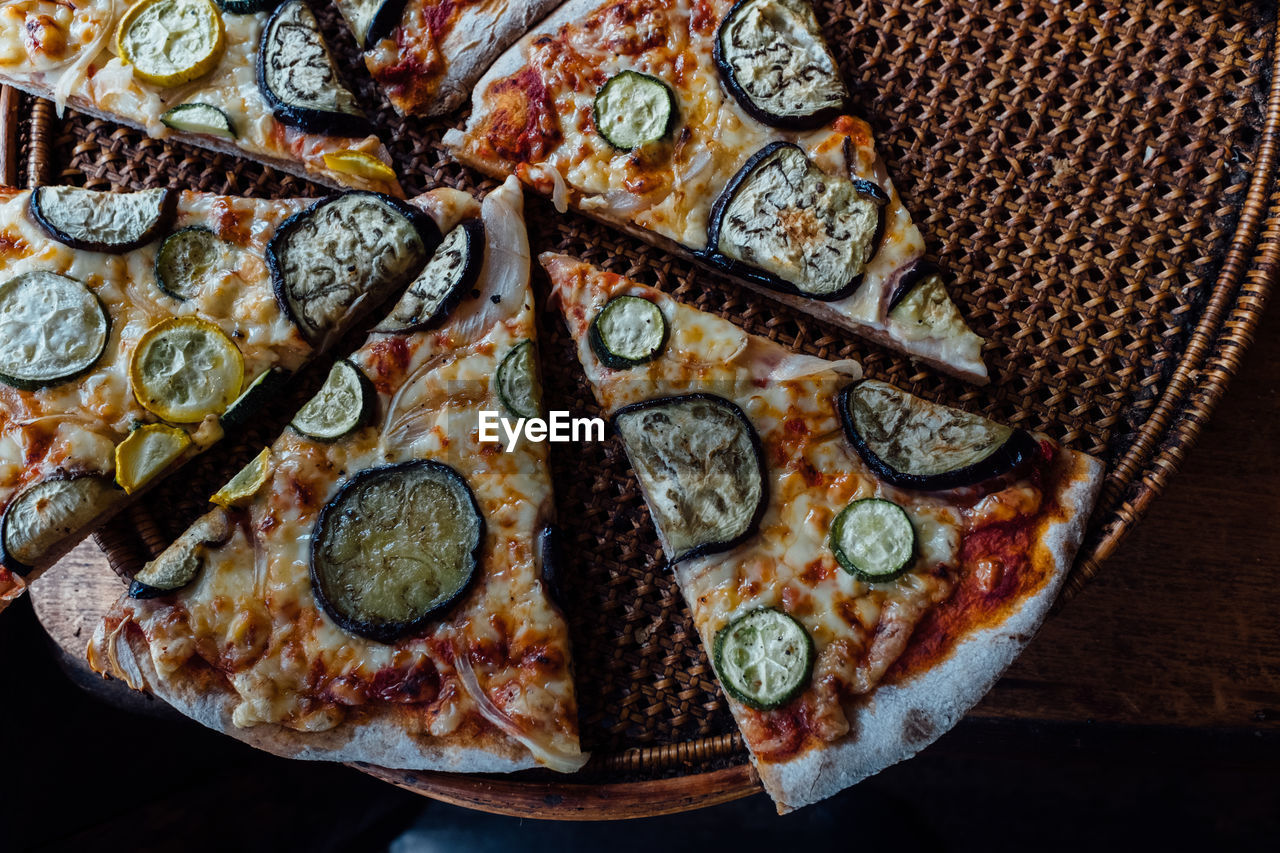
386 19
1019 449
712 255
107 488
912 277
168 210
476 242
551 561
380 631
426 227
754 524
730 80
326 122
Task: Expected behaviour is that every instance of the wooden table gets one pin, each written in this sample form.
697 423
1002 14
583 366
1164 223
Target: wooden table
1179 630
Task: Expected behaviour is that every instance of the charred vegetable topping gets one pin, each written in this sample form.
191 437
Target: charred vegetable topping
371 20
774 61
186 259
200 118
450 274
786 224
52 328
47 513
244 408
633 109
913 443
699 465
628 331
298 79
101 221
873 540
764 658
182 561
396 547
517 381
342 405
346 251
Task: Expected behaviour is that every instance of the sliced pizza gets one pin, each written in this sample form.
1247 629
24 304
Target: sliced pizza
717 130
371 587
137 328
247 77
428 54
861 564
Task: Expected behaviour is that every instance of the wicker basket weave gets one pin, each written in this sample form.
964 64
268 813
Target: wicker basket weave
1097 176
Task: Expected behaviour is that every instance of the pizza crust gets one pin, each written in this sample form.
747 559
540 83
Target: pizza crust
380 738
899 720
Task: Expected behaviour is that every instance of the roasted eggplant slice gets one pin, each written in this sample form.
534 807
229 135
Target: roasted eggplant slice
179 564
628 331
52 328
915 444
447 277
699 464
102 221
764 658
298 79
46 513
397 546
342 405
345 250
784 223
774 60
634 109
923 308
371 20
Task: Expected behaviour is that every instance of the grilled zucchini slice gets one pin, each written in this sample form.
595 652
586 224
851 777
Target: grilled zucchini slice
342 405
46 513
517 381
774 60
699 464
346 253
450 274
916 444
634 109
180 563
785 224
628 331
246 407
187 257
873 540
298 79
764 658
184 369
52 328
100 221
200 118
395 548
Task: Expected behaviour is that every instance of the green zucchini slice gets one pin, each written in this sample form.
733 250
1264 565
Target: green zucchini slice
764 658
873 540
449 275
913 443
699 464
632 109
397 546
52 328
628 331
200 118
186 258
101 221
47 513
180 563
246 407
517 381
341 406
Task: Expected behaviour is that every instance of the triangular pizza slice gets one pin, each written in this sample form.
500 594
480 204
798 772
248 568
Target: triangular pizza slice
718 130
137 328
247 77
372 586
861 564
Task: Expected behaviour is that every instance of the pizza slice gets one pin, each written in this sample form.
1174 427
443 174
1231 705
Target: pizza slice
428 54
861 564
371 587
247 77
717 130
137 328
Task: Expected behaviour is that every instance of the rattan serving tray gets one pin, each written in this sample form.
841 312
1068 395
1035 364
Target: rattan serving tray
1096 175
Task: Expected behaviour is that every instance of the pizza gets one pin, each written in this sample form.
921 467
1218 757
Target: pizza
371 587
136 329
861 564
247 77
718 130
428 54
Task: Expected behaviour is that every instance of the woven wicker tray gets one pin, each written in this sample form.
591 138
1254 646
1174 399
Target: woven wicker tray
1098 178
